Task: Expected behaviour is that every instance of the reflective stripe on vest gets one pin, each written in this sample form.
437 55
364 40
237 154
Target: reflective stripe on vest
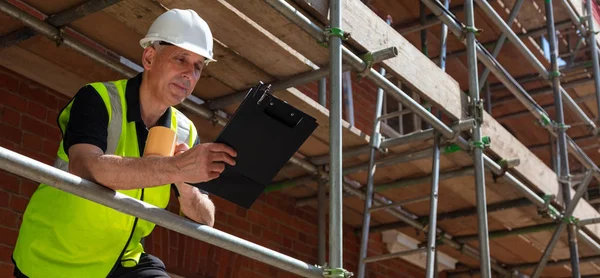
115 121
63 235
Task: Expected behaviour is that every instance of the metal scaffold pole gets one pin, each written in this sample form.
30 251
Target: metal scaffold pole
374 148
477 144
432 251
500 42
563 161
40 172
335 135
375 140
322 195
593 51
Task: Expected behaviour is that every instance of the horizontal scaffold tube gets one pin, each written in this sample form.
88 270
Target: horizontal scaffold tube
40 172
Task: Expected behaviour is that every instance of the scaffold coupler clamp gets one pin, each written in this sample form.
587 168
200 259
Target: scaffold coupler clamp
59 38
337 32
375 141
440 239
560 127
484 143
369 62
544 120
477 111
571 220
470 29
566 179
214 119
546 209
323 174
336 272
505 165
553 74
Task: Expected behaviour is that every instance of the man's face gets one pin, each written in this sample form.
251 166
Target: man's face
173 72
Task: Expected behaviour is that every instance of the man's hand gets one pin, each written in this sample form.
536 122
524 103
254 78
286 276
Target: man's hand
193 203
203 162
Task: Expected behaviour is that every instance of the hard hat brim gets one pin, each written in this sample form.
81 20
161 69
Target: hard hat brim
147 41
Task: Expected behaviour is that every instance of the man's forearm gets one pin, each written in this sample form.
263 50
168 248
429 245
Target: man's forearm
122 173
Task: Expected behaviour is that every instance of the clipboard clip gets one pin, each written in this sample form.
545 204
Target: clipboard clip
262 89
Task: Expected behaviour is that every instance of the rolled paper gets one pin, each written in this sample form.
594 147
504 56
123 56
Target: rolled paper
161 142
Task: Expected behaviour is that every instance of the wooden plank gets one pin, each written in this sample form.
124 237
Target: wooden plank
41 70
411 66
237 31
275 23
507 146
322 7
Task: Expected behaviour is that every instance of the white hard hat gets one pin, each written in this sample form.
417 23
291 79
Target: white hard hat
183 28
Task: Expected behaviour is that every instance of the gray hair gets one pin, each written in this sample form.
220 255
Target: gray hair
156 45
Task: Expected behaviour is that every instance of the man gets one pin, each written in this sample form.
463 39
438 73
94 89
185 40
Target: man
104 130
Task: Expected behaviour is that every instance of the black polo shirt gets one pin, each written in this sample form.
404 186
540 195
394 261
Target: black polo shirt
88 122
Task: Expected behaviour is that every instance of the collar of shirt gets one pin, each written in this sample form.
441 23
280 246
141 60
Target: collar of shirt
132 96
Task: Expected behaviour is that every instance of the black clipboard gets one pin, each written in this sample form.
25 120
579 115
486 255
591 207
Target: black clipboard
265 132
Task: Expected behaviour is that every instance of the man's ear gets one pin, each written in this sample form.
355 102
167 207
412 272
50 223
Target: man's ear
148 57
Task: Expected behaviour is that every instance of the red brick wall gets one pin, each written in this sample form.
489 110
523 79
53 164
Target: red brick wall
28 114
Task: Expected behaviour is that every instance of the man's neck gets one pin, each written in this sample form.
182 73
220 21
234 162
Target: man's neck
150 109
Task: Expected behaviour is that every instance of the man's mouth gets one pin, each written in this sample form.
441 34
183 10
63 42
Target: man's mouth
180 86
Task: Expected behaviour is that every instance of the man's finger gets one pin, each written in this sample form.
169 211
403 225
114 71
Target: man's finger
217 167
223 157
213 175
217 147
181 148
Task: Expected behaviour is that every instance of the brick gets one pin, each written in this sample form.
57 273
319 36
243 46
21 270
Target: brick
34 126
272 237
61 102
38 95
9 182
14 101
36 110
8 236
11 134
238 223
8 218
241 212
6 269
52 118
258 218
53 134
9 82
275 213
257 230
32 142
10 117
4 198
304 249
18 202
50 147
288 232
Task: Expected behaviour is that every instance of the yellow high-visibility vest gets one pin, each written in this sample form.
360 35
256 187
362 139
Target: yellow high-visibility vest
63 235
